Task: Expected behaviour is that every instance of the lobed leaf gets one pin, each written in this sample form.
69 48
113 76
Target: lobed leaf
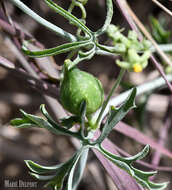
46 114
29 120
128 160
126 164
22 123
120 178
40 122
64 170
56 50
57 126
42 177
117 115
36 168
79 169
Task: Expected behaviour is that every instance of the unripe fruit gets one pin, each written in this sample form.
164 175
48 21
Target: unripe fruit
77 86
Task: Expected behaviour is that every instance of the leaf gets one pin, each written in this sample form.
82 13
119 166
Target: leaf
120 178
22 123
40 122
71 18
80 169
159 33
64 170
117 115
77 169
46 114
126 164
56 50
59 171
42 177
138 156
36 168
56 126
29 120
128 160
58 180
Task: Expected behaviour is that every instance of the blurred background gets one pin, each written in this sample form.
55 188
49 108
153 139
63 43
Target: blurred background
48 149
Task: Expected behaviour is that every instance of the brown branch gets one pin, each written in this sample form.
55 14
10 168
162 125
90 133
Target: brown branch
33 82
162 7
163 133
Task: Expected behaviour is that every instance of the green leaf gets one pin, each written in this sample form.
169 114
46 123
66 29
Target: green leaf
117 160
126 164
56 50
77 168
159 33
71 18
108 17
128 160
48 117
42 177
42 123
117 115
59 171
56 125
36 168
58 180
29 120
138 156
22 123
64 170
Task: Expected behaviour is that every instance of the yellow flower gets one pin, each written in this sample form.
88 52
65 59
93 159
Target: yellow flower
137 68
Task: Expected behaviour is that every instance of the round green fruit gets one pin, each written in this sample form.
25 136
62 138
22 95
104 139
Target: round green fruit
78 86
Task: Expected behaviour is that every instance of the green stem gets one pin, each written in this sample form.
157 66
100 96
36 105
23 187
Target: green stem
71 18
80 5
105 103
163 47
117 49
141 89
108 18
60 32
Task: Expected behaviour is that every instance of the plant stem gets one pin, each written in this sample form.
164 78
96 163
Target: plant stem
141 89
105 103
163 47
108 18
60 32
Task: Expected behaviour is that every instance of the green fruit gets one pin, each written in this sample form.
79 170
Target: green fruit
77 86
